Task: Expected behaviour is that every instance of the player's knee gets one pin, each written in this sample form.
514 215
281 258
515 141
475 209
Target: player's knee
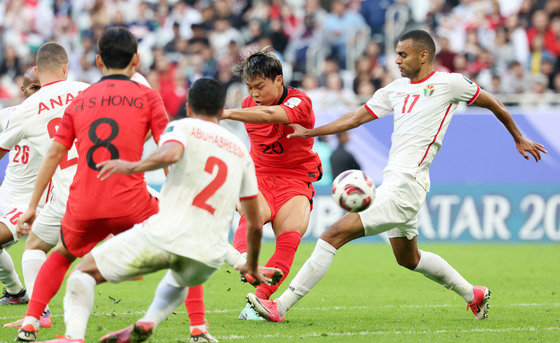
409 262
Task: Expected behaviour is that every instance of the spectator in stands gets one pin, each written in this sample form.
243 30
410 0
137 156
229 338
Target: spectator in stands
341 159
517 80
10 66
538 53
445 56
374 14
502 51
338 25
541 28
323 149
496 85
519 40
222 35
308 37
143 25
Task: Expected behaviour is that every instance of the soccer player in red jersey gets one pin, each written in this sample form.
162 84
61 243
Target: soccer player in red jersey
110 120
285 167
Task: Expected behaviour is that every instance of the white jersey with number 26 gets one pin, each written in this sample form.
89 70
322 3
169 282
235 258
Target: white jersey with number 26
36 120
422 112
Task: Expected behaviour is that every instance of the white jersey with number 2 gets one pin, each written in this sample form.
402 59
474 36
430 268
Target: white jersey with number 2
422 112
198 197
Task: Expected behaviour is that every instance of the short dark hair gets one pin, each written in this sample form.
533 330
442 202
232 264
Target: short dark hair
207 97
51 56
423 40
117 46
262 63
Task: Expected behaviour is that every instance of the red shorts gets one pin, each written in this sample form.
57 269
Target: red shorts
278 190
80 236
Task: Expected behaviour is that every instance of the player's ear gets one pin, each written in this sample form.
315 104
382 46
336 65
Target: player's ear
424 56
65 69
135 60
279 79
99 62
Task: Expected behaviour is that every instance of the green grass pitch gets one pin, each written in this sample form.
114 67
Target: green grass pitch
364 297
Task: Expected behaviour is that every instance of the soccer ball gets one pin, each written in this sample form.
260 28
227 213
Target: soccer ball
353 190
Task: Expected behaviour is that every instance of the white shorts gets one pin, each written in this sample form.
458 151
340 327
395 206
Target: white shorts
395 207
10 219
130 254
47 224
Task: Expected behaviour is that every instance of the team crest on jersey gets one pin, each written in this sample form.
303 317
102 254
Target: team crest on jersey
292 102
429 90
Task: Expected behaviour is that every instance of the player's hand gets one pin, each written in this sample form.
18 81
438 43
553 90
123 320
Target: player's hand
525 146
259 278
110 167
25 221
299 131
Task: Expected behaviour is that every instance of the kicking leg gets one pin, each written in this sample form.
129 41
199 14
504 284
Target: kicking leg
343 231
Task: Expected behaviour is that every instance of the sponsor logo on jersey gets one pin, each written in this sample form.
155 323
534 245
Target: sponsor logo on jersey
429 90
466 79
292 102
169 129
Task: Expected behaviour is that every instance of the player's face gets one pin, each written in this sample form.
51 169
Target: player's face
30 88
265 91
408 59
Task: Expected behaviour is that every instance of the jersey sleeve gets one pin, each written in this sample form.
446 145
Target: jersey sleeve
379 105
299 110
158 115
66 133
249 187
174 132
14 131
463 89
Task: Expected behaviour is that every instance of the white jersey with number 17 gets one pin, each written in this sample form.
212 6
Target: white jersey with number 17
36 120
422 112
198 197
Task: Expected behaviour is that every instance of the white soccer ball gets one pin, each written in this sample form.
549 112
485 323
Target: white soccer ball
353 190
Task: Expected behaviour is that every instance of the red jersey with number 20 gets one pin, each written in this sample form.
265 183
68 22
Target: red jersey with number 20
276 155
110 120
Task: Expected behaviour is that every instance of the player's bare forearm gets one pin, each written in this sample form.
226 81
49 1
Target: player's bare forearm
523 145
167 154
489 101
55 154
258 115
344 123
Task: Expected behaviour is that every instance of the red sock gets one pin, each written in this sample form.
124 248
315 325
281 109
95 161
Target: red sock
48 283
283 257
240 236
195 305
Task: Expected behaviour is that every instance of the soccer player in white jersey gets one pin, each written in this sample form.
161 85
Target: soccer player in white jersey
211 170
423 103
37 120
15 193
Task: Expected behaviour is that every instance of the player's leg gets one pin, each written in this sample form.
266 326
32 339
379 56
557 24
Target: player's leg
240 236
195 310
346 229
437 269
289 224
15 293
48 282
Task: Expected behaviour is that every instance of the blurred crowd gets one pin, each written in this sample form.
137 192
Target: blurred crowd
506 46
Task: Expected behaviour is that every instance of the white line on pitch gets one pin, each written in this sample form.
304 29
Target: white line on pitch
331 308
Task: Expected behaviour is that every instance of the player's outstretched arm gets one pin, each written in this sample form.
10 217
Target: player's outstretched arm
344 123
524 145
55 154
250 208
258 115
168 153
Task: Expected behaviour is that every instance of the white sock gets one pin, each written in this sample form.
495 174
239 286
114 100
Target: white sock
78 303
308 276
31 262
8 275
437 269
234 258
169 295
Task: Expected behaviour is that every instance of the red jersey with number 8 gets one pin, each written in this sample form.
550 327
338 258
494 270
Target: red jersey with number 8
110 120
277 155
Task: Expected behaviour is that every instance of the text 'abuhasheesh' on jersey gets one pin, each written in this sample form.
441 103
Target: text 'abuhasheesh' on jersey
422 112
276 155
198 197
